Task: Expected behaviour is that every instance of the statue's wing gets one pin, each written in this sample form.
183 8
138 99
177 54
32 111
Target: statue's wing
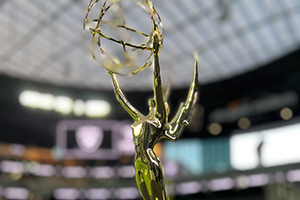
184 112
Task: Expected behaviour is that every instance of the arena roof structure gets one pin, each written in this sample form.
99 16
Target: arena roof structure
45 42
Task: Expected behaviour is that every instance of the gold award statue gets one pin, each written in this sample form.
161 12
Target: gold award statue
150 129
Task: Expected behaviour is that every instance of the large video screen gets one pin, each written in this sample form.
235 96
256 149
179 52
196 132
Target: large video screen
265 148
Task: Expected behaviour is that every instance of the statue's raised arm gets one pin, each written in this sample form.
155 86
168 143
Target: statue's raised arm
132 111
157 83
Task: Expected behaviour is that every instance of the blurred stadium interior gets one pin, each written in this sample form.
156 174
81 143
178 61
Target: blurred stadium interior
63 135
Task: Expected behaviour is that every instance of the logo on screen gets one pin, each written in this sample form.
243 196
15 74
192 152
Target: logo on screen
89 138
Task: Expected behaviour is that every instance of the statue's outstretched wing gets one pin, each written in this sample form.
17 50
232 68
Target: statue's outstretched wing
184 112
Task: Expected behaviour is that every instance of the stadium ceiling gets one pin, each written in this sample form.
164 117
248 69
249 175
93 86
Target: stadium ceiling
44 41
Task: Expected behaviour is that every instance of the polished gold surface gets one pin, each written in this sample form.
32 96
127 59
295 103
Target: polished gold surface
149 130
111 20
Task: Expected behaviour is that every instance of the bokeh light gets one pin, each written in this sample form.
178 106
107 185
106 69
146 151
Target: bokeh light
214 128
286 113
244 123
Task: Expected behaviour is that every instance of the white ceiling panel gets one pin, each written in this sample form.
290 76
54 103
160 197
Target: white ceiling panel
45 41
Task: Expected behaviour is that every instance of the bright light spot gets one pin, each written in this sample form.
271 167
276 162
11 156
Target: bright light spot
46 101
137 129
29 98
97 108
281 146
8 166
98 194
79 107
63 104
126 172
74 172
44 170
102 172
257 180
188 188
221 184
243 151
286 113
214 128
34 166
14 168
35 99
293 175
66 193
244 123
127 193
242 182
15 193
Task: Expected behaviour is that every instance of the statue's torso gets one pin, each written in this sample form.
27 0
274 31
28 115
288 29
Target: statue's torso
148 169
146 131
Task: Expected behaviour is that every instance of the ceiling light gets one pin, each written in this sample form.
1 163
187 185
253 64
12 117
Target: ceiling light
97 108
63 104
46 101
29 98
79 107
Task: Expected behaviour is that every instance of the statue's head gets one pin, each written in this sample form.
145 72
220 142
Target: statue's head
152 103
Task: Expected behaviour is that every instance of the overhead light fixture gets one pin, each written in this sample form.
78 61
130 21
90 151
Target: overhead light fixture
35 99
98 193
127 193
66 193
188 188
79 107
221 184
46 101
102 172
64 104
97 108
16 193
